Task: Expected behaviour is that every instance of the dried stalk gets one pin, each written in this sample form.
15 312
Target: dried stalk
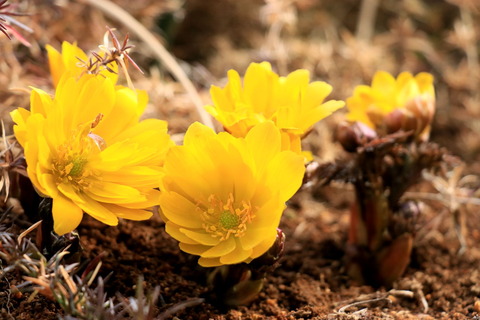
366 20
471 49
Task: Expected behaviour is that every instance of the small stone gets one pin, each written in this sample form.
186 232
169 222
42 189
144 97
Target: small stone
272 302
475 289
236 314
476 306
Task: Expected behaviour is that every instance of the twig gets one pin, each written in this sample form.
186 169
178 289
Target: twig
422 299
386 297
114 11
364 302
402 293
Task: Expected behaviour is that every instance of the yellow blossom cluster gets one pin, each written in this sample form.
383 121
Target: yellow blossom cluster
86 148
293 103
221 195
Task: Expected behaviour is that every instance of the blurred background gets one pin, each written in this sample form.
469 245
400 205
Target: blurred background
341 42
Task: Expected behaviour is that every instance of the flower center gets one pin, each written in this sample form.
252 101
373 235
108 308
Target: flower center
77 166
221 220
70 164
229 220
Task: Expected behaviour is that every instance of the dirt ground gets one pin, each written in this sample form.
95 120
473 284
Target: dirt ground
441 37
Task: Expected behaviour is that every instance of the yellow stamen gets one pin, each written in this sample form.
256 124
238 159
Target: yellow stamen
70 164
221 220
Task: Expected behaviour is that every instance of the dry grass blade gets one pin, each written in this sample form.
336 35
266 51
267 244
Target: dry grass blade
30 229
375 302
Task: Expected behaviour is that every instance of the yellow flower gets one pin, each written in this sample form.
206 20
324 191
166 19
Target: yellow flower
291 102
222 197
71 63
86 149
390 104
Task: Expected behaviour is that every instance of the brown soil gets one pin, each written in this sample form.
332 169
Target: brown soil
310 282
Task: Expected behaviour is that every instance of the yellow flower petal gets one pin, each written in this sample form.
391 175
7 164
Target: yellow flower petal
56 64
269 214
383 81
108 192
292 169
137 177
254 237
87 98
123 114
209 262
220 249
179 210
425 83
174 231
263 142
150 200
97 210
236 256
40 102
88 205
261 248
20 116
69 62
201 237
196 249
126 213
47 181
66 215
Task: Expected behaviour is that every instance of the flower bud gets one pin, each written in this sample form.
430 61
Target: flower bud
423 108
352 135
416 116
